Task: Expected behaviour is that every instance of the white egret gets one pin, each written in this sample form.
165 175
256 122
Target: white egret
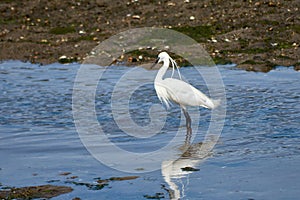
178 91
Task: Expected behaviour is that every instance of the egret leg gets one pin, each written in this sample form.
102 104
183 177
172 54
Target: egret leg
188 137
188 122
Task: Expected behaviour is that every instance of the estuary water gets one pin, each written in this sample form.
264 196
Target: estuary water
256 157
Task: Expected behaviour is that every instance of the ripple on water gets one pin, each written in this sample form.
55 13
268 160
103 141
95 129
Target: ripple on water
37 128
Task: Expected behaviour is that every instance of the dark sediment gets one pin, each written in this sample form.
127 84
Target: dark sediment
256 35
49 191
32 192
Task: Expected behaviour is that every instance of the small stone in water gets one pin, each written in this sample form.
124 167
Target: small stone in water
191 169
65 173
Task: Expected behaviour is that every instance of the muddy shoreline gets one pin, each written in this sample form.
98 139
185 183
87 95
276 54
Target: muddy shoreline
256 35
48 191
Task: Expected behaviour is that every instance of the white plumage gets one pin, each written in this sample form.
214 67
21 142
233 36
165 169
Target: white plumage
181 93
178 91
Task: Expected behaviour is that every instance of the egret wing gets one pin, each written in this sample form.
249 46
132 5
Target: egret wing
182 93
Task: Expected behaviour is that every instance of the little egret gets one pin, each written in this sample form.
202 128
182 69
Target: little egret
178 91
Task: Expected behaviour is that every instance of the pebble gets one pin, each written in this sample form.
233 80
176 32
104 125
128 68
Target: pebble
171 4
214 40
4 32
274 44
82 32
136 17
192 18
257 4
62 57
132 59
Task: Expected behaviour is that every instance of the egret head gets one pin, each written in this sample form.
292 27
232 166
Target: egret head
161 57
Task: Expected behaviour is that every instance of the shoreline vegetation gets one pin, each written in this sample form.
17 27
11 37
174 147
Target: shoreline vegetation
257 35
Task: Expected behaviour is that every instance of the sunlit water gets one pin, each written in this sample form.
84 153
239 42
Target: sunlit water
257 156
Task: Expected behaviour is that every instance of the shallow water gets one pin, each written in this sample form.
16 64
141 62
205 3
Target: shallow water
257 155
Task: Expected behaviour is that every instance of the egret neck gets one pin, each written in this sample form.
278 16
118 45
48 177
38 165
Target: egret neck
161 72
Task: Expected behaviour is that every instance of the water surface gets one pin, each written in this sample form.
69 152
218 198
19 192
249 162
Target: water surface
257 156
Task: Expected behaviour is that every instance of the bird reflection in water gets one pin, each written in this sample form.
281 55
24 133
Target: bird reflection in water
175 171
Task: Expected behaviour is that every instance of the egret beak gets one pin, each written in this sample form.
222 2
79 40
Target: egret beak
154 63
